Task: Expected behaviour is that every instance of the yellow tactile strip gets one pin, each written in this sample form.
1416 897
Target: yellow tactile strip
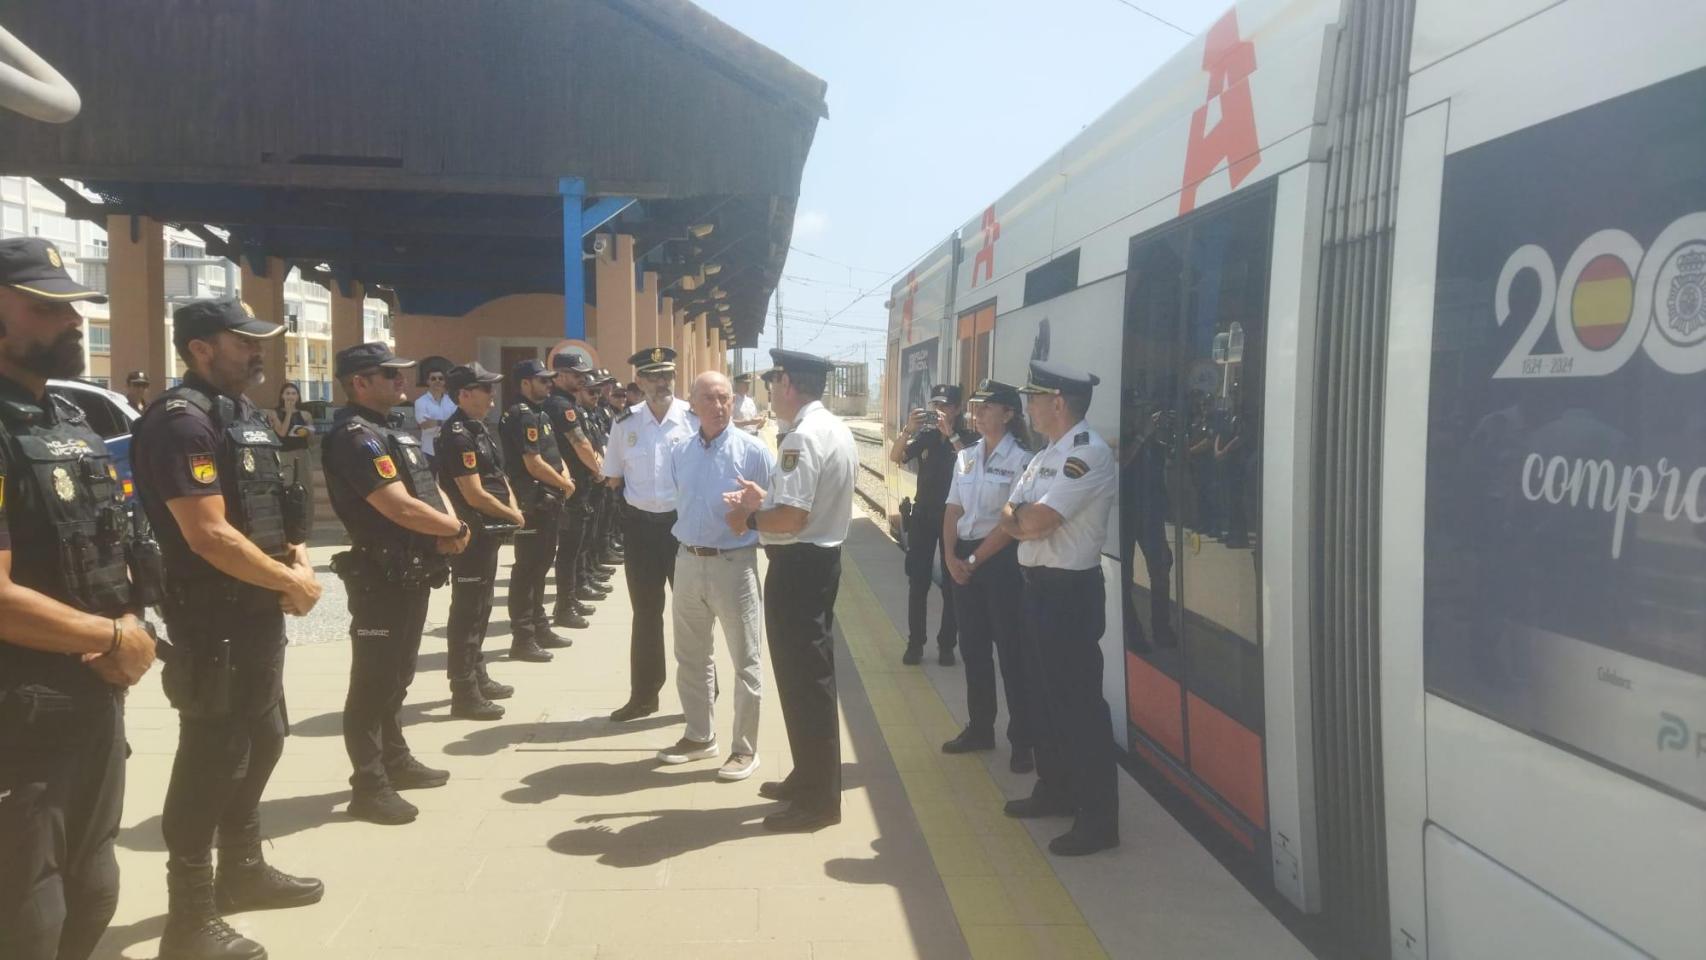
1006 897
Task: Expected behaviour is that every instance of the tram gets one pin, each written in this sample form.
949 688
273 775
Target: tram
1399 310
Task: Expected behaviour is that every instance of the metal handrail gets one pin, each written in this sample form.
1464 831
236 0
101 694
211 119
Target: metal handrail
28 85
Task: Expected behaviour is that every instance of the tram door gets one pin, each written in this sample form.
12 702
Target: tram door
1190 497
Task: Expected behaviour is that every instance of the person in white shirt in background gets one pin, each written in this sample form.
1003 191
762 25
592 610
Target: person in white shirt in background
747 415
432 409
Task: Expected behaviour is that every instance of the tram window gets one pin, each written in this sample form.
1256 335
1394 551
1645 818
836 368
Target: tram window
976 346
1052 279
1190 483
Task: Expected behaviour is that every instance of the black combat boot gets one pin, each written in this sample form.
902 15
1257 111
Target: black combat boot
524 648
543 637
587 592
489 688
569 617
246 881
583 608
468 703
194 928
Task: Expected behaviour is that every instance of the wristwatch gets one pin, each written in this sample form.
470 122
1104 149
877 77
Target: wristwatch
752 521
971 559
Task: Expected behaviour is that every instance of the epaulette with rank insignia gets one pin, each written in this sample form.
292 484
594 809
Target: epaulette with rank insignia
625 416
1082 439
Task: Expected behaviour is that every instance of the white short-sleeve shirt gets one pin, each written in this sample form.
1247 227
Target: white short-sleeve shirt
815 466
1078 478
982 484
426 408
746 408
638 452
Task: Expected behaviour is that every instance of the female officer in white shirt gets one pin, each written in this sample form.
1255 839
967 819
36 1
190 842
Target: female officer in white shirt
984 562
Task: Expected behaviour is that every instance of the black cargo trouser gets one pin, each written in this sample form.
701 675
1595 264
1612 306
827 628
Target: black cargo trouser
923 566
574 530
1064 621
799 620
386 621
991 619
61 800
473 573
535 548
649 567
226 751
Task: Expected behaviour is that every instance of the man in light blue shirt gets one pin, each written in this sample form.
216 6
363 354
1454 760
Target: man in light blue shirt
716 578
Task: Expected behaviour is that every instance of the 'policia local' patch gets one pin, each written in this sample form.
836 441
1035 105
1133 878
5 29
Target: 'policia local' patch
469 460
386 466
1074 468
202 469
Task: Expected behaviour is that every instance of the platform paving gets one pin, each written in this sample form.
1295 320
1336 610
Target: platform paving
560 836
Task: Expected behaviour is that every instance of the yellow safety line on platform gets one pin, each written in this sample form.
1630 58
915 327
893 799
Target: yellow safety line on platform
1006 897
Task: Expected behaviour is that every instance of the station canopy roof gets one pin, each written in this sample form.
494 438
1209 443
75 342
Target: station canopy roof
419 146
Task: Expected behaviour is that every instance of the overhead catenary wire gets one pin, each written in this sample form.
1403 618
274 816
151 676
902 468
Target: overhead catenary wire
1164 22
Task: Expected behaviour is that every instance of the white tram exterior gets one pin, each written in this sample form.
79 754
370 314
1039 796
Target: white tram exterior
1399 309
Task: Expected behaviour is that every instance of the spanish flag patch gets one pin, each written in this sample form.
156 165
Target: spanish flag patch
386 466
1074 468
202 468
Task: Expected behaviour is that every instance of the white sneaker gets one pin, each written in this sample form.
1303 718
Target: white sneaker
686 750
739 766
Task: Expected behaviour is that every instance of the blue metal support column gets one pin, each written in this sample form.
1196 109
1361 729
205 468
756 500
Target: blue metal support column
578 221
573 191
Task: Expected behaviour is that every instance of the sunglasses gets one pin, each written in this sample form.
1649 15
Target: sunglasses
389 373
435 378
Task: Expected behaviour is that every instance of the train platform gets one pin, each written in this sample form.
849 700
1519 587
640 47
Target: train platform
560 836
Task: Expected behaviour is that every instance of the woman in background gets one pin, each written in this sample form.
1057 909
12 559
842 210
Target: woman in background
295 428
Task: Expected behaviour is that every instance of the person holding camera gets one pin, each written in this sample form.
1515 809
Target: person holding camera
933 438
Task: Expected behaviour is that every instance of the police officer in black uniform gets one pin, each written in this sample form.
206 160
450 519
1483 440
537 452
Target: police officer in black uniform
208 470
70 640
471 471
934 438
401 529
612 404
572 427
534 463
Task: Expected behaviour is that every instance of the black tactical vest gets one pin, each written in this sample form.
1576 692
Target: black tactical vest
251 478
530 492
412 466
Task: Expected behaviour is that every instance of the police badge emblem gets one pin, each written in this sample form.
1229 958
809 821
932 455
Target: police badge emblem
790 460
53 257
657 354
62 484
1682 285
470 460
532 434
248 461
633 438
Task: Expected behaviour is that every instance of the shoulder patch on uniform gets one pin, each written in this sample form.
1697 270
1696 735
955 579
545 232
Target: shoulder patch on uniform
790 460
354 426
569 415
458 427
469 459
202 468
386 466
1082 439
374 446
532 434
1074 468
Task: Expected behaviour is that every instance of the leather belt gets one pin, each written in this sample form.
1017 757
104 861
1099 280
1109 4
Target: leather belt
711 551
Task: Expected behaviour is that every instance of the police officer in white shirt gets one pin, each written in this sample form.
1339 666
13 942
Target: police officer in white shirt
637 462
984 562
1058 512
747 416
802 520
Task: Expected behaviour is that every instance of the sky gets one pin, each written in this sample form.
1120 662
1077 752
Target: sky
936 108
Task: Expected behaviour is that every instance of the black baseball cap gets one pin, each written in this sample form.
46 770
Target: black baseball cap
945 393
200 319
1048 377
137 377
366 356
570 360
654 360
531 370
32 266
469 375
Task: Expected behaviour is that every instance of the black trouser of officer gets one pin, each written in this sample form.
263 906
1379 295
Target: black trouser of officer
61 799
991 616
386 620
227 746
574 532
609 514
472 575
535 548
923 565
1064 621
650 564
799 619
